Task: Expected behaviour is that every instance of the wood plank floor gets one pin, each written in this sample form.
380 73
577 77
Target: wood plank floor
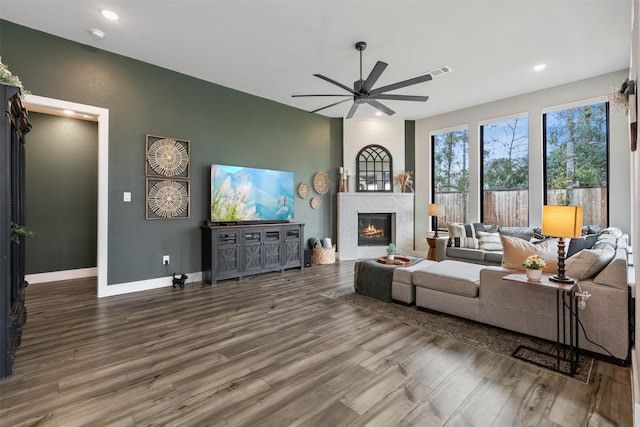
270 351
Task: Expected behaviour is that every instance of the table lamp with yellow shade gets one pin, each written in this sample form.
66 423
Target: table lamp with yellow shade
435 210
562 222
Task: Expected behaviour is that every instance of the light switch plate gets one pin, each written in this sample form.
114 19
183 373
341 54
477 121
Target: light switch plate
127 196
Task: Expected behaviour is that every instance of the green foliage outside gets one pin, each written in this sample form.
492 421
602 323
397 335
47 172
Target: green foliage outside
506 155
576 149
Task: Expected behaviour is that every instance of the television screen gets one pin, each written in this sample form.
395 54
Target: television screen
248 194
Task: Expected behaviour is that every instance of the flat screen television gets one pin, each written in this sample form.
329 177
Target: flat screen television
240 195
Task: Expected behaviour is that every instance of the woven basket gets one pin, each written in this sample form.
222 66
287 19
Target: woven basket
324 255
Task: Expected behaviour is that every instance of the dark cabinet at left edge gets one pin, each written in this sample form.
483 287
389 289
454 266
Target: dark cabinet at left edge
13 313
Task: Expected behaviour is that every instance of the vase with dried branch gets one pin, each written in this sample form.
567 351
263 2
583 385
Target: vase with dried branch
405 179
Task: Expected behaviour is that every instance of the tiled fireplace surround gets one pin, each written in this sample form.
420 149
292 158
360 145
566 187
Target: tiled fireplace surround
400 205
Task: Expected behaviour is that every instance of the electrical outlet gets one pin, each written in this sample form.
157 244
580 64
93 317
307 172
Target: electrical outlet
165 260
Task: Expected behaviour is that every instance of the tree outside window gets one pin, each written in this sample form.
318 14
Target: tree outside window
450 169
505 176
576 144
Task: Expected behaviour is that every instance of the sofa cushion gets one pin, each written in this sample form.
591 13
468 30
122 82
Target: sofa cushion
489 241
464 253
588 262
452 277
405 274
578 244
493 257
462 235
525 233
516 250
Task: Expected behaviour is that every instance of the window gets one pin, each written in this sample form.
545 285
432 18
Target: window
373 169
576 147
450 169
505 172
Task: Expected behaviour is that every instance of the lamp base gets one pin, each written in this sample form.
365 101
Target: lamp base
562 279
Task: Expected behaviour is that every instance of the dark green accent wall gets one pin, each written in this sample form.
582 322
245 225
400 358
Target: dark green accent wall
223 125
61 193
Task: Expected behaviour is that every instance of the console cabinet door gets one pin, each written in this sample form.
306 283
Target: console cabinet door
252 249
292 246
271 249
226 251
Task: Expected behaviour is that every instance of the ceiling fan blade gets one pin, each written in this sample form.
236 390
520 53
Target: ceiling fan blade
352 110
373 76
400 97
331 105
347 88
405 83
380 106
320 94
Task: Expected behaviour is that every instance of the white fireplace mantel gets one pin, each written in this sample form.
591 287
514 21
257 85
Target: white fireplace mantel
350 204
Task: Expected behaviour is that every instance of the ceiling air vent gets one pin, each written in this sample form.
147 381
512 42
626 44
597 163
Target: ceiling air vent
437 72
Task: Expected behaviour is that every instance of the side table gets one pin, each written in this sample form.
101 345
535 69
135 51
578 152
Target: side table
567 352
431 241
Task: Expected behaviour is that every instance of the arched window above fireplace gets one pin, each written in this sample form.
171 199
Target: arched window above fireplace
373 169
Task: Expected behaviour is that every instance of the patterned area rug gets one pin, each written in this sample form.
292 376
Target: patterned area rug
478 335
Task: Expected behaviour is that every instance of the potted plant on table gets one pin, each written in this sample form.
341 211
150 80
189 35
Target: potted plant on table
391 251
534 265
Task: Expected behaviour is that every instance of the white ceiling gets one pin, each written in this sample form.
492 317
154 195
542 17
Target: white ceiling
271 48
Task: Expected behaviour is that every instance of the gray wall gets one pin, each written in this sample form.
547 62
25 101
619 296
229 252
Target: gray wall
223 125
61 193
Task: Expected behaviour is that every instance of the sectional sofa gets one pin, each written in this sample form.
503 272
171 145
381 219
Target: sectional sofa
479 292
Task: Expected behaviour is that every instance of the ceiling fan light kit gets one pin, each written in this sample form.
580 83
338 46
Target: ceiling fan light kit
364 93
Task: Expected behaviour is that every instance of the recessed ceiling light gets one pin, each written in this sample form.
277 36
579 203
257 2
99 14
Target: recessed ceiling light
98 34
68 112
378 113
109 14
539 67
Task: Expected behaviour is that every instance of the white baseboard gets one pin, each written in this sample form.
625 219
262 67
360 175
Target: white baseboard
145 285
55 276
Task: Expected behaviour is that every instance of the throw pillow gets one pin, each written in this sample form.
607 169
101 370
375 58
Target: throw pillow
462 235
525 233
613 230
588 262
489 241
516 250
576 245
606 240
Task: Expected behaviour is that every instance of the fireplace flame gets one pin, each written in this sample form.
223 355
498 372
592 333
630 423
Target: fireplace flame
372 232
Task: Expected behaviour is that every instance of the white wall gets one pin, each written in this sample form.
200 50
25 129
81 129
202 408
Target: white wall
533 104
384 131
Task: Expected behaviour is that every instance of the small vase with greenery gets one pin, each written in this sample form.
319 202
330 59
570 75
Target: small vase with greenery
391 251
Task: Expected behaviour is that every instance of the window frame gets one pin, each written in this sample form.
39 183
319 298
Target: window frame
567 106
481 142
378 148
432 136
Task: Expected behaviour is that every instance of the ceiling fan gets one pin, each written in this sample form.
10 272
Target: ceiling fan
363 92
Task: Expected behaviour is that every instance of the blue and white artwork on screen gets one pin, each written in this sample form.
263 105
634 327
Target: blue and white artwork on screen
247 194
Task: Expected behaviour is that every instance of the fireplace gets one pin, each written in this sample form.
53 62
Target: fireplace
374 229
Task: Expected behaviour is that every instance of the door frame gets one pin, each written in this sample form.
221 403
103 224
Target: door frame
102 115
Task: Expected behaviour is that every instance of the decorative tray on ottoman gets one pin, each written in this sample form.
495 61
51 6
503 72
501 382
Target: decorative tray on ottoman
397 260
